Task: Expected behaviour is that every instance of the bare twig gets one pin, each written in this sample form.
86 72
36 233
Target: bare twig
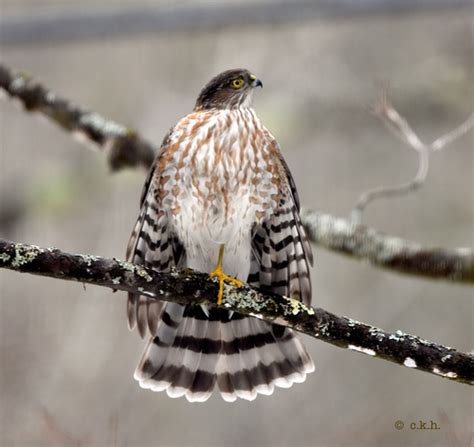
332 233
400 127
444 140
187 287
56 436
124 146
388 252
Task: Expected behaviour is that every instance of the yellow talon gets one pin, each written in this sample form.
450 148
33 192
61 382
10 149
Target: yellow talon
219 273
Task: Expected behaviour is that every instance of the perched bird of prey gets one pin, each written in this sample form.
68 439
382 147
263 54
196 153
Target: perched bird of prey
219 198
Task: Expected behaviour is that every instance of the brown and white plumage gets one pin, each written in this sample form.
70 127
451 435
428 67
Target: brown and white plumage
220 179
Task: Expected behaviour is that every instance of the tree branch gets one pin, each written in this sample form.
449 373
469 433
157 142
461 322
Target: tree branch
128 149
124 147
389 252
187 287
76 24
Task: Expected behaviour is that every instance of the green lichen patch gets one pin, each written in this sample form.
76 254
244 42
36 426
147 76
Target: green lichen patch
251 302
140 271
127 266
131 132
24 255
296 307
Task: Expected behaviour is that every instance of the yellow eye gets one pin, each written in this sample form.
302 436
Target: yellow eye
237 83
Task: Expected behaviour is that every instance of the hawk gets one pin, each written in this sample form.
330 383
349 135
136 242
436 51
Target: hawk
220 198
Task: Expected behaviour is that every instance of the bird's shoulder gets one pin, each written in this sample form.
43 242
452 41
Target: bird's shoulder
179 135
284 171
187 125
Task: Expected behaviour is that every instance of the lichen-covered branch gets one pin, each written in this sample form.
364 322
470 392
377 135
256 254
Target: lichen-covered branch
127 148
188 286
389 252
124 147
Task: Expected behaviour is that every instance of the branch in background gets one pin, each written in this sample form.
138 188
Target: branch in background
332 233
75 24
124 146
187 287
388 252
400 127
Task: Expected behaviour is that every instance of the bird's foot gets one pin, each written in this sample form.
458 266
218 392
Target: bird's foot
219 273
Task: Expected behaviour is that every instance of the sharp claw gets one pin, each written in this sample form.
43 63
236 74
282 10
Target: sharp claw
223 277
221 291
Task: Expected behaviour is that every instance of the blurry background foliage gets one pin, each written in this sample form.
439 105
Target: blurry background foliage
67 351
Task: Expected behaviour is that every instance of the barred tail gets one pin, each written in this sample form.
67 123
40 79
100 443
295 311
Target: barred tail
195 348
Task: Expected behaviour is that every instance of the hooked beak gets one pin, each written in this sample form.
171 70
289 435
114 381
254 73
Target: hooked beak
257 83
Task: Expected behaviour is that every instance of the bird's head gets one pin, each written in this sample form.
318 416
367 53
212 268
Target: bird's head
229 90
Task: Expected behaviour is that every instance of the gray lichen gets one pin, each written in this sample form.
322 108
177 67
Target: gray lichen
352 323
377 333
145 292
89 259
449 374
361 349
19 83
4 257
324 329
410 363
136 269
252 303
244 300
109 128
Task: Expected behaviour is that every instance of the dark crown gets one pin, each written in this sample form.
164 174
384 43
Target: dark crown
228 89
